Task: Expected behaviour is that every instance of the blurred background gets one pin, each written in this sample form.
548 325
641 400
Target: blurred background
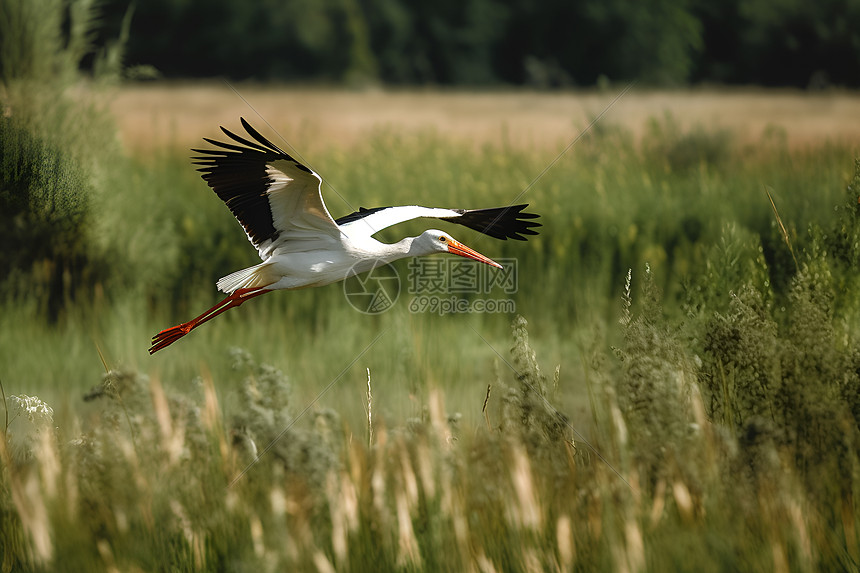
551 44
691 306
110 235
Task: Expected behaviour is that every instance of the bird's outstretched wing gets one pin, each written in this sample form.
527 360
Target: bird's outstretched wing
499 222
274 197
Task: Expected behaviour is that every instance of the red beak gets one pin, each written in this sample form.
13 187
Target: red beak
458 248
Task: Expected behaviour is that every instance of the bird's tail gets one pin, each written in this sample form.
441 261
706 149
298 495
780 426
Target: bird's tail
252 277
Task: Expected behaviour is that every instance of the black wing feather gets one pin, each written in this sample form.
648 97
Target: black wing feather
499 222
243 141
360 214
237 174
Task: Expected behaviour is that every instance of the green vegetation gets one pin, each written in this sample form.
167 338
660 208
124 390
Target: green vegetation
684 394
552 43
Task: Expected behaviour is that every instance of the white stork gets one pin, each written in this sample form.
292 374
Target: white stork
279 203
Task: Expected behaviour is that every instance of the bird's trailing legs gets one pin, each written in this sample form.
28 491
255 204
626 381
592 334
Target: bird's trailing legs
170 335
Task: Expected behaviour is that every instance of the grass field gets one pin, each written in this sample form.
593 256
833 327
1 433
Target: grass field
151 117
679 388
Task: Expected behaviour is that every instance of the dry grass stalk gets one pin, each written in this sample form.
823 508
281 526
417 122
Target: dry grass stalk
484 407
369 412
782 229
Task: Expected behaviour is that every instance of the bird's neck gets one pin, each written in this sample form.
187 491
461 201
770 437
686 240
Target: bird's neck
385 253
390 252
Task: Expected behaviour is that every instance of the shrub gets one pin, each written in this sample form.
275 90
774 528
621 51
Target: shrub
44 199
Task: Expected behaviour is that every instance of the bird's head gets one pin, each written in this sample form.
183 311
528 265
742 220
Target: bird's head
435 241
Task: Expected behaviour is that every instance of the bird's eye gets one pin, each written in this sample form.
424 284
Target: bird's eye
442 239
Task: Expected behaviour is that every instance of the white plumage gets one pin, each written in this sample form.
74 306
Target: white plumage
278 201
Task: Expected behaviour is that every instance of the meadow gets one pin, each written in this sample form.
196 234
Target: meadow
678 389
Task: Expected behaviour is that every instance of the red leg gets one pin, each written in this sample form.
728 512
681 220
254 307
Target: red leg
170 335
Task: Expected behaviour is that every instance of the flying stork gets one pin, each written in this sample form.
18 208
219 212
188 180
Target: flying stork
279 203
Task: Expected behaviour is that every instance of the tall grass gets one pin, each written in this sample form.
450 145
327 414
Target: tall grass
712 427
663 480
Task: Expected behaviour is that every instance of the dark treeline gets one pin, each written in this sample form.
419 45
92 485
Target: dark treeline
485 42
